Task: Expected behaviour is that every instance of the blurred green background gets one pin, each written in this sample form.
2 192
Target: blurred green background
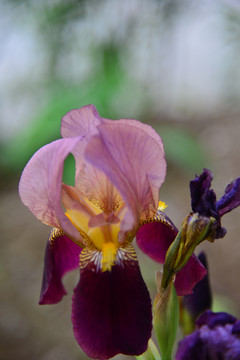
172 64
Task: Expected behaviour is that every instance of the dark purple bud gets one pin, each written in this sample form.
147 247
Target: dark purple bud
203 199
201 298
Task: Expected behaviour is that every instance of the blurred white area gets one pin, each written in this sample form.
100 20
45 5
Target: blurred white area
179 52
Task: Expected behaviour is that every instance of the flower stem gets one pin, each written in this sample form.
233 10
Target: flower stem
152 353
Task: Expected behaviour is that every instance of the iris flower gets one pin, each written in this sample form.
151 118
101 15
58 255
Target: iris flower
216 337
120 166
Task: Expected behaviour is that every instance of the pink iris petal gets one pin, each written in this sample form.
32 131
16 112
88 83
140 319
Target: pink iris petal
80 122
83 121
112 310
61 256
137 124
41 181
154 240
88 179
189 276
103 219
134 162
73 199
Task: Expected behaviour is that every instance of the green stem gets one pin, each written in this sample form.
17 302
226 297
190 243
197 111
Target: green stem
154 350
152 353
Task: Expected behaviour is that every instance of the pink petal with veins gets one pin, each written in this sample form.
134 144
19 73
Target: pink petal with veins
41 181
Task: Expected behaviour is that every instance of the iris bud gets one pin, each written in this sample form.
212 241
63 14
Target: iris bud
195 229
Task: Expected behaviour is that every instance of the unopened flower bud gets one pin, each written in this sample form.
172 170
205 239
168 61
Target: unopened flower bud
195 229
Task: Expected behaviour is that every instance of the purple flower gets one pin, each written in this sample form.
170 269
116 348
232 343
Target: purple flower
204 200
120 166
217 337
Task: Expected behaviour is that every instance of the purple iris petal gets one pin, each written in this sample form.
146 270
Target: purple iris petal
61 256
203 199
215 319
191 349
230 199
214 339
236 328
111 310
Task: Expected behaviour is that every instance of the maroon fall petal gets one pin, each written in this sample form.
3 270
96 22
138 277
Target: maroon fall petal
189 276
61 256
111 311
201 299
154 238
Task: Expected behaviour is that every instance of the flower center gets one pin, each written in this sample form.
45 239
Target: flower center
103 237
109 252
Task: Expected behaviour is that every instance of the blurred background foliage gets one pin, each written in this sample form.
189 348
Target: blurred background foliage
162 62
172 64
147 60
